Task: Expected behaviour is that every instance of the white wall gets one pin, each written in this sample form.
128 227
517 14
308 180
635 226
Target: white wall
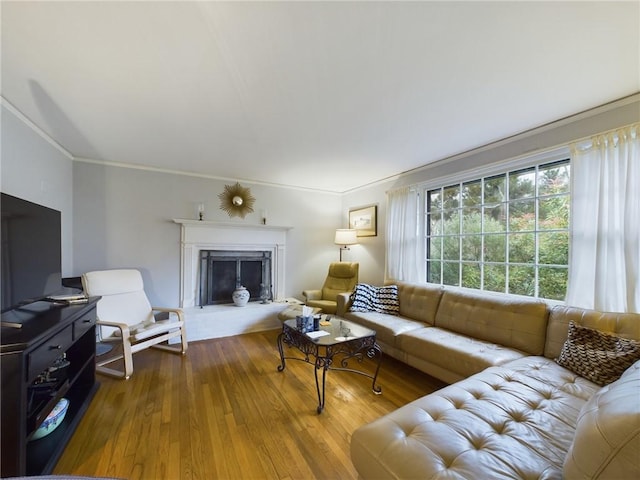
123 219
34 169
369 252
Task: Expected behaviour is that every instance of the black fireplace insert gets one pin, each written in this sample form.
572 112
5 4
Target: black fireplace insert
222 271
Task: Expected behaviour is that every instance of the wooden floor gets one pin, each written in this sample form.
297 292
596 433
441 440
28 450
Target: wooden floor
224 412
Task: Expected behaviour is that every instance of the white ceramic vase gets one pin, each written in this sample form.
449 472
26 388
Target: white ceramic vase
240 296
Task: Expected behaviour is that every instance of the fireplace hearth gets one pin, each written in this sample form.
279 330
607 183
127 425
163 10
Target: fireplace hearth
223 271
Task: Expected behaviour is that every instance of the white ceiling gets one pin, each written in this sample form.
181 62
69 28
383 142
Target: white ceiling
322 95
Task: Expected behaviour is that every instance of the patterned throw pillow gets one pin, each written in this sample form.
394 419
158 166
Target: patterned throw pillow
367 298
597 356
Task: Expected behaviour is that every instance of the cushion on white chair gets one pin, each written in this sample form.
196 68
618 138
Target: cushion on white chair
110 282
123 298
142 331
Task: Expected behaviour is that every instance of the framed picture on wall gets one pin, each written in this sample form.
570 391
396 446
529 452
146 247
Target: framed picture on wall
364 221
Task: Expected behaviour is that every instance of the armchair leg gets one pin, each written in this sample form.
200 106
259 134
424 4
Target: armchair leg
127 357
183 339
168 348
182 349
112 372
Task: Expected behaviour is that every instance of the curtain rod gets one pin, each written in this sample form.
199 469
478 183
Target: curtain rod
586 142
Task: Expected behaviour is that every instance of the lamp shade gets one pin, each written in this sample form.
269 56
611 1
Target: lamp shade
346 236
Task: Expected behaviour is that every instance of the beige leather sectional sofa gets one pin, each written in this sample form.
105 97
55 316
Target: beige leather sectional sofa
510 410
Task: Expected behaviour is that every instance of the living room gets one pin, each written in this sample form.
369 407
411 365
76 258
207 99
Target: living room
118 209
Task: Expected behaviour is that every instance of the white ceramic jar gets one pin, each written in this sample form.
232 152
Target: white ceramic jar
240 296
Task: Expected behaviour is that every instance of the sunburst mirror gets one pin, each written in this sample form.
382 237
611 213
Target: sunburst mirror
236 200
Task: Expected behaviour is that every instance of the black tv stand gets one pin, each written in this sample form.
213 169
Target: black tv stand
20 315
25 353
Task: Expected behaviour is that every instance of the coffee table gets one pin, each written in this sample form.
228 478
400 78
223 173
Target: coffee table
343 339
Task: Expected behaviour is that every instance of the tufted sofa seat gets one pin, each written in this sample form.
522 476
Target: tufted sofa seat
524 417
514 421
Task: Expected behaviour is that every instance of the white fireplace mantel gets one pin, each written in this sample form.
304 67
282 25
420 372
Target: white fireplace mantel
197 235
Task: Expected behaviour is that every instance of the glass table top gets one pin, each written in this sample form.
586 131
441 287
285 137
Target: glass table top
338 331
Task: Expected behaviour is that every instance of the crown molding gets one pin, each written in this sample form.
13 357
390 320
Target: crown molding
201 175
44 135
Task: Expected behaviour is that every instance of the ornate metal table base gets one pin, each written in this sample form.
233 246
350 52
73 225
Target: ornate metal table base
325 349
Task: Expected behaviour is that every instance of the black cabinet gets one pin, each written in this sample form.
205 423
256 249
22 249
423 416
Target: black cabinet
50 334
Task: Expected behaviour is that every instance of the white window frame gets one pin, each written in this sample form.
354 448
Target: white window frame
475 174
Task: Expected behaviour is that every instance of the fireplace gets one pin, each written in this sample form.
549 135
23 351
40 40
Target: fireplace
222 271
238 240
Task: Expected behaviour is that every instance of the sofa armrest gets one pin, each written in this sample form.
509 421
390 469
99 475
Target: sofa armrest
607 432
312 294
343 301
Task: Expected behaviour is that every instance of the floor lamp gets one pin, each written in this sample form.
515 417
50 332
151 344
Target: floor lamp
344 238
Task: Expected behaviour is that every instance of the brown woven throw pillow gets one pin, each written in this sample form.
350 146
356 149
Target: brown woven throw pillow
597 356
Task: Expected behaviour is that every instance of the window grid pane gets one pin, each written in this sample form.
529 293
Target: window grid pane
504 233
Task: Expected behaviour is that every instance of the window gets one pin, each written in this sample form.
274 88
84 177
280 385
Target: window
504 233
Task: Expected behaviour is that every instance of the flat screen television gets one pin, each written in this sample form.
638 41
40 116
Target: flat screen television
30 256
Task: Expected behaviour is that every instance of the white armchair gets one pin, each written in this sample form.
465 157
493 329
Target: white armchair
126 316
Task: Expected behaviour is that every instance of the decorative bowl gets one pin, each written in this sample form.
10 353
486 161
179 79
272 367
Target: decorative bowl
53 420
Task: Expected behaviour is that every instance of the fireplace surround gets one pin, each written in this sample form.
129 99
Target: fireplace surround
234 239
223 271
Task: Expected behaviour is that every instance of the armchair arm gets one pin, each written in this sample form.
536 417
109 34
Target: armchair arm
125 332
343 302
312 294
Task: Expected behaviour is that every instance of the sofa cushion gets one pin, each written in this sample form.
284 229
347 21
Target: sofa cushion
607 440
418 301
625 325
456 353
387 327
514 322
512 421
598 356
367 298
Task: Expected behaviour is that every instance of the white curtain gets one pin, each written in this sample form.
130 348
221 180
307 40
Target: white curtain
405 262
604 261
